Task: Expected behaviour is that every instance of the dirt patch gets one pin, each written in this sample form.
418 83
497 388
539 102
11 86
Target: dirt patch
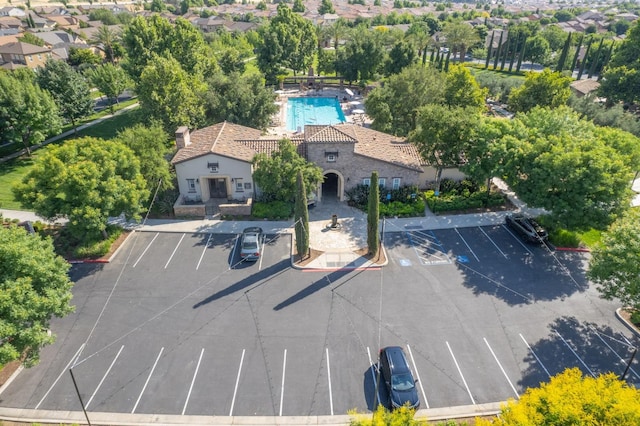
7 371
378 259
310 257
626 315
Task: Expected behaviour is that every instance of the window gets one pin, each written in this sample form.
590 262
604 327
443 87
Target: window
331 158
247 185
191 185
30 58
382 182
213 167
396 183
366 181
239 185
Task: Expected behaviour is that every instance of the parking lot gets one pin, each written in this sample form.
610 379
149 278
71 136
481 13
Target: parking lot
176 324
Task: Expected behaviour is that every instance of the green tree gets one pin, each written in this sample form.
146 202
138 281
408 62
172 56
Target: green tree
572 168
555 36
34 286
288 41
394 106
31 39
169 94
145 38
111 80
83 57
158 6
276 175
563 15
544 89
621 78
85 180
373 216
613 265
537 49
444 134
460 36
69 89
240 99
28 114
362 56
402 55
570 398
326 7
462 90
301 217
151 145
298 6
381 416
109 38
620 27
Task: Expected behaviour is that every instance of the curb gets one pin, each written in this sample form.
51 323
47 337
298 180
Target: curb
627 324
98 261
11 378
576 249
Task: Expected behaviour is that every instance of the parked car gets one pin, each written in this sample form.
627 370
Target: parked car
251 244
398 378
527 228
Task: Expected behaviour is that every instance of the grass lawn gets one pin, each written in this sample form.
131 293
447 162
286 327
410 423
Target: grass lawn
13 171
496 73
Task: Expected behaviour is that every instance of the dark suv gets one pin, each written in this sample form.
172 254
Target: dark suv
527 228
398 378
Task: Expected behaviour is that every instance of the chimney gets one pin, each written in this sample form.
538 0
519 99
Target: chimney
182 137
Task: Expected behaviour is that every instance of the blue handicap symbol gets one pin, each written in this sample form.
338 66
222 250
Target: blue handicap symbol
462 259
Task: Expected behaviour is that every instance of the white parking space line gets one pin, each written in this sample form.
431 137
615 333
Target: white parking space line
622 360
233 253
375 381
147 381
284 367
517 239
204 250
193 380
535 356
64 370
145 250
329 380
104 377
576 355
174 251
413 361
502 369
493 242
235 390
465 243
460 372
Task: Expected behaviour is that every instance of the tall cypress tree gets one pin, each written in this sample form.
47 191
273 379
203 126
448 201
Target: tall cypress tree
606 59
584 60
301 217
489 50
563 54
373 215
521 57
498 50
596 59
575 57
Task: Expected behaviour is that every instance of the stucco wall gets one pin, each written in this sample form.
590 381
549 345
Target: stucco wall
228 168
429 175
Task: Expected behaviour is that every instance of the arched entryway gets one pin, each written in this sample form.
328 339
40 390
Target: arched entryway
332 187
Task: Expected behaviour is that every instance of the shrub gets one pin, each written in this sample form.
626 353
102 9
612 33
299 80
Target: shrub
400 209
406 200
272 210
462 195
97 248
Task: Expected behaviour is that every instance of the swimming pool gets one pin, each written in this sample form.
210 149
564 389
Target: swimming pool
304 111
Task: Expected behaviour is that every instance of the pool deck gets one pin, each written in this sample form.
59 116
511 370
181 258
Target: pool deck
280 118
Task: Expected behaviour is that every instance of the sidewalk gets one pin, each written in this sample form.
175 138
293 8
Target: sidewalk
338 245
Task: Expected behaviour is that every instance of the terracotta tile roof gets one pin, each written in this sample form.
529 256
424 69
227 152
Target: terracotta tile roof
243 143
219 139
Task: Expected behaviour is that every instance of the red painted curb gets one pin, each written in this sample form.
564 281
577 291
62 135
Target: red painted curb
357 268
78 262
581 250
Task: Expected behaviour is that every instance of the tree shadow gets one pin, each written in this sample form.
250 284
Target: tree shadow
266 274
316 286
593 348
553 278
83 270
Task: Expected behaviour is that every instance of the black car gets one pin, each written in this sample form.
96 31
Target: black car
398 378
527 228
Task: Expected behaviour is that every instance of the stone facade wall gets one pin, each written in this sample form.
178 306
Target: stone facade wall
182 210
236 209
355 168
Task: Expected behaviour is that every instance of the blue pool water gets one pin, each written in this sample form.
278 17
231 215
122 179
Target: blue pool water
303 111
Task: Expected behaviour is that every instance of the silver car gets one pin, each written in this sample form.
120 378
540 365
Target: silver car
251 244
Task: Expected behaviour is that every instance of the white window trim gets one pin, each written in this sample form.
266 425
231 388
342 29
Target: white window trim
366 181
396 183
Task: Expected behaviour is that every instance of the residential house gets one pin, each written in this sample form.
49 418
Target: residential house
15 12
30 55
582 88
496 44
215 163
